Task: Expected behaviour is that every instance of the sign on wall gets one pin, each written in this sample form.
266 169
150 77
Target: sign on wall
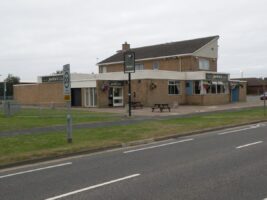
66 82
218 77
52 79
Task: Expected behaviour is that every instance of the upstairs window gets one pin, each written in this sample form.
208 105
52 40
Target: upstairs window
102 69
204 64
155 66
173 87
139 66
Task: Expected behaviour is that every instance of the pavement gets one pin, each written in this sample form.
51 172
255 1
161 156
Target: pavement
225 164
252 101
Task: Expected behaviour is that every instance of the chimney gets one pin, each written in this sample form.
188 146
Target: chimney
125 46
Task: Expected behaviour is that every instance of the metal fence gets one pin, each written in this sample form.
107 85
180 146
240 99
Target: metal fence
12 108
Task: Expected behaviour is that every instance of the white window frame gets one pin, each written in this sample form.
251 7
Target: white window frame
139 66
87 97
203 64
174 83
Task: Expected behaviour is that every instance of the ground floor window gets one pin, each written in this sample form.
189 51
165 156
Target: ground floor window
90 97
173 87
197 87
218 87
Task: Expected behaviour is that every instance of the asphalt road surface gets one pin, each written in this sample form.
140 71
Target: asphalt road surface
227 164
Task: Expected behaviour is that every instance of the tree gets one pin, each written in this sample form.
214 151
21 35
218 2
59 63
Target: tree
10 81
58 72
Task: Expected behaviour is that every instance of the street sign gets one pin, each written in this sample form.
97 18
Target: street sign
67 98
129 62
66 81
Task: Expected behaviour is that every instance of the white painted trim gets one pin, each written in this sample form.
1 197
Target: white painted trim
110 63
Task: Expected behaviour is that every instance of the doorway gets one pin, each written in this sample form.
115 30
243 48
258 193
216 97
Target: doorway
117 96
76 99
235 94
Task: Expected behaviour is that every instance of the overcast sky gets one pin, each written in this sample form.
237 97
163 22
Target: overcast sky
38 37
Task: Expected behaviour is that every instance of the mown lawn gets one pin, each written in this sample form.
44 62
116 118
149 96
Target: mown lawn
25 147
34 117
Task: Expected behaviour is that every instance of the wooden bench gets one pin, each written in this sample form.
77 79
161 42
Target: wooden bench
161 107
136 104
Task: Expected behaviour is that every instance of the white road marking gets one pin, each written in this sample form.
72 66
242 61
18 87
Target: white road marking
92 187
238 130
34 170
246 145
156 146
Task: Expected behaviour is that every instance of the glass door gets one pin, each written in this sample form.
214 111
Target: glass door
117 96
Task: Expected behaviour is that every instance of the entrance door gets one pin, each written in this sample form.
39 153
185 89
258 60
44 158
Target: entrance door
76 97
235 94
117 96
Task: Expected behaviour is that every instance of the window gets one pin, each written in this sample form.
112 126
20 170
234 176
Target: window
90 98
173 87
197 87
155 65
217 87
139 66
204 64
102 69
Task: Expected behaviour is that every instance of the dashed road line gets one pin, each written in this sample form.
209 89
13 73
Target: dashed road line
92 187
34 170
250 144
156 146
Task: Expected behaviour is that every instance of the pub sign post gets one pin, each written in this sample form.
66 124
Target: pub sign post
129 67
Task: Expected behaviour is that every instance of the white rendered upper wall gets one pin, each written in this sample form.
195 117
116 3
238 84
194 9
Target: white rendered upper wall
210 50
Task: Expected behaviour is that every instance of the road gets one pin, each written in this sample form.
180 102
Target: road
226 164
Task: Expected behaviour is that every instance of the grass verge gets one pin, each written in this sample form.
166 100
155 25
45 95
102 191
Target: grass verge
33 117
26 147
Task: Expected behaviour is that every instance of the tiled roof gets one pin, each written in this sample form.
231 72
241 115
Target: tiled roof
162 50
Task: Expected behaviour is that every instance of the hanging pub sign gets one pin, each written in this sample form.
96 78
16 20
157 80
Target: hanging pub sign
129 62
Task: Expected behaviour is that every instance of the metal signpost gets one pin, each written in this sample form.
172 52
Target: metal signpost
129 67
5 90
264 97
67 98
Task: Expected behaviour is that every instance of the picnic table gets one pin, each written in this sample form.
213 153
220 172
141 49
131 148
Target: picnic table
161 107
136 104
